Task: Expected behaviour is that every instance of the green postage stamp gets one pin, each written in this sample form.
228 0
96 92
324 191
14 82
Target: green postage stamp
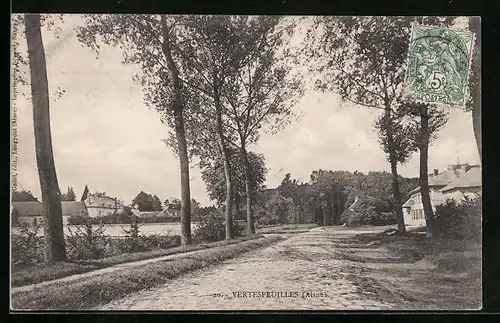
438 65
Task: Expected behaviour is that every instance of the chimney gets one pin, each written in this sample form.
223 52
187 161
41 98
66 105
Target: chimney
436 172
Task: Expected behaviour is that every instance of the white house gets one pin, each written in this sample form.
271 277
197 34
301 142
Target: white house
455 182
100 205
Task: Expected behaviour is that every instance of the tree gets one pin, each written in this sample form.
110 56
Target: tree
214 178
69 195
146 202
261 89
242 84
100 194
151 41
363 59
474 102
210 55
175 204
55 249
195 207
23 196
156 204
430 119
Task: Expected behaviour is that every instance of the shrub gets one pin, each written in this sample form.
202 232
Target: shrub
159 241
459 220
133 237
211 228
263 218
87 242
367 216
27 247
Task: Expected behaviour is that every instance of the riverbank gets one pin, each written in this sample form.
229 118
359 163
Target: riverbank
38 273
92 289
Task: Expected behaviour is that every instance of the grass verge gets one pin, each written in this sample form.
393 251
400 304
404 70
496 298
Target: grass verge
101 289
42 272
426 273
286 228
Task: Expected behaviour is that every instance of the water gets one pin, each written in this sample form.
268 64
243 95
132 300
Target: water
116 230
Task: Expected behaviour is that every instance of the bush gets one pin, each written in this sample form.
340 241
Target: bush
27 247
211 228
263 218
87 242
460 220
133 238
159 241
367 217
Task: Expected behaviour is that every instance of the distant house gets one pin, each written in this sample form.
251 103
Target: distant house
149 214
468 185
455 182
100 205
354 204
31 213
169 213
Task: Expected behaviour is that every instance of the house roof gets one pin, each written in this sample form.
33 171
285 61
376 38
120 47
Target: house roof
150 214
356 200
169 213
36 208
444 178
73 207
408 203
28 208
470 179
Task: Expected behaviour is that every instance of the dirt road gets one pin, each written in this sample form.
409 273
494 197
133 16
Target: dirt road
302 272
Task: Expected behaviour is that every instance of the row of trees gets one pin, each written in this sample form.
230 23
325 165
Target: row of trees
215 80
218 80
325 198
364 60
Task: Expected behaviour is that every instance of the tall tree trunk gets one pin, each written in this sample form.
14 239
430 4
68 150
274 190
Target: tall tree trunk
424 177
55 249
226 162
185 185
395 177
180 136
248 188
475 26
324 216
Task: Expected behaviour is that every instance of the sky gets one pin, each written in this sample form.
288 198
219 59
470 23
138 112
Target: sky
105 137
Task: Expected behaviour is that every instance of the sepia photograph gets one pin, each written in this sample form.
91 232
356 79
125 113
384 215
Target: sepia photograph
166 162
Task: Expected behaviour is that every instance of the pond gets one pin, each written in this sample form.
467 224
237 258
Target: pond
116 230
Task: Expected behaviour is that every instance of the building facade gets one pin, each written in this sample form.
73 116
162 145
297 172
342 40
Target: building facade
101 205
31 213
456 182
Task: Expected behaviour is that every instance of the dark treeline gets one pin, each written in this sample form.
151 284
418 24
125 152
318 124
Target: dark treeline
327 197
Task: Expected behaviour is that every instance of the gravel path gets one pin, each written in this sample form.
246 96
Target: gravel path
301 272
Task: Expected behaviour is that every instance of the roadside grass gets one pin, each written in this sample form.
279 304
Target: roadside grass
100 289
33 274
423 273
286 228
